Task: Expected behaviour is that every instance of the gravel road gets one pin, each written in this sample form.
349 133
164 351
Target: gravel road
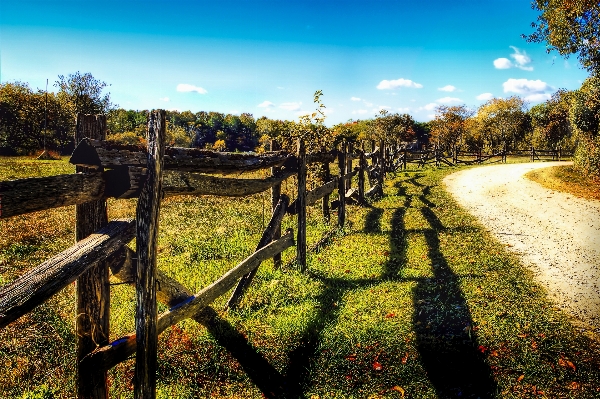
556 234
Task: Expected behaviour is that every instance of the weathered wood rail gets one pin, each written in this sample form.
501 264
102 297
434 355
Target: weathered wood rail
105 170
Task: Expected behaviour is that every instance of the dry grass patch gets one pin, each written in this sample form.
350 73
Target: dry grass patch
567 179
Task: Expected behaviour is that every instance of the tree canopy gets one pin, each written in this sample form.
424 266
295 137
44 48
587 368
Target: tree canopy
569 27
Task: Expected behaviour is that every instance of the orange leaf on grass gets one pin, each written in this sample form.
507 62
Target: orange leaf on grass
521 378
377 366
390 315
404 358
351 357
566 363
398 389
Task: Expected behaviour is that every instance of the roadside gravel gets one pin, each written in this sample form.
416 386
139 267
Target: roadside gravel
556 234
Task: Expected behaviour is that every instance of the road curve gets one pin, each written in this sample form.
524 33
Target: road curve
556 234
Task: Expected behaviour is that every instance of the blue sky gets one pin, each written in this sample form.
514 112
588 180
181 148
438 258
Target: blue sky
269 57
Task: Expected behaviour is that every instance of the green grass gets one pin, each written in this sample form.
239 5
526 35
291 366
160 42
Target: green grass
413 296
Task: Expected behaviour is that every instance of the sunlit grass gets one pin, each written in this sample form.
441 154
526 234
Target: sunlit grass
412 296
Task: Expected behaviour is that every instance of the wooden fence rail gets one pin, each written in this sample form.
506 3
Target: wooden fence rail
106 170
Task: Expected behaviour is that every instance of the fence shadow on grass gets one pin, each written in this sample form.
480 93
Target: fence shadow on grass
266 378
448 351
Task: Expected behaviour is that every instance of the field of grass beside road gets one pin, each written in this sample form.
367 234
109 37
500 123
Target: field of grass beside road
413 299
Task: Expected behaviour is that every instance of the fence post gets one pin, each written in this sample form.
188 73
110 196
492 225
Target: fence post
275 194
93 290
349 165
326 179
362 164
147 214
342 186
404 160
381 162
532 154
301 206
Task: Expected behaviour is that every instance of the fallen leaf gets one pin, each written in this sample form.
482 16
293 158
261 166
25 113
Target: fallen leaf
481 348
390 315
398 389
574 385
494 353
534 345
521 378
522 335
377 366
566 364
351 357
404 358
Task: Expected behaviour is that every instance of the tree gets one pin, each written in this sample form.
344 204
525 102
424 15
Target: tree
502 121
569 27
584 115
23 127
449 125
83 94
550 122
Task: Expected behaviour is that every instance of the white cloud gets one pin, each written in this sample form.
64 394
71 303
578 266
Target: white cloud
394 84
448 88
165 99
266 104
502 63
526 87
448 100
185 87
368 104
430 106
291 106
521 61
404 110
354 99
384 107
485 96
360 111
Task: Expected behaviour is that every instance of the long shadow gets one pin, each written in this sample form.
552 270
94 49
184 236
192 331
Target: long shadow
450 354
271 383
299 366
373 220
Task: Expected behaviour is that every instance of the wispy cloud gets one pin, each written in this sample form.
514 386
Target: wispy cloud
485 96
430 106
532 90
448 88
448 100
354 99
521 61
394 84
185 87
360 112
165 99
266 104
291 106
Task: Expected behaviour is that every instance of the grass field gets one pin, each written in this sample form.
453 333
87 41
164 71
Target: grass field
413 299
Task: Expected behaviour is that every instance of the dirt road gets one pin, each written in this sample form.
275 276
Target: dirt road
556 234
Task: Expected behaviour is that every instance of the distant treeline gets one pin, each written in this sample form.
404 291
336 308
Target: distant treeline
31 120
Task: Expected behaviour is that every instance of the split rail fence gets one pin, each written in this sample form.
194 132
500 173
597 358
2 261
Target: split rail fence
106 170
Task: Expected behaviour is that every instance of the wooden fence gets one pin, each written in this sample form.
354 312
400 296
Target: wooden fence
106 170
402 157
